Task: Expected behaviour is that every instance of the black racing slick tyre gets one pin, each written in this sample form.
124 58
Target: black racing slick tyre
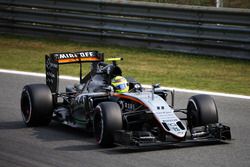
107 119
36 105
201 110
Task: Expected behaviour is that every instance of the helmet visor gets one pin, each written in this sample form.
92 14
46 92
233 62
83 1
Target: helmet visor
121 86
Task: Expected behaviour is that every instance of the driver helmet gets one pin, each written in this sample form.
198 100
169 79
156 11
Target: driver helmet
120 84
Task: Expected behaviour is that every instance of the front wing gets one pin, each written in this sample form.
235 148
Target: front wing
210 134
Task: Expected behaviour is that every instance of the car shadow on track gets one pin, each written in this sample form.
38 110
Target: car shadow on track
127 150
82 147
9 125
58 132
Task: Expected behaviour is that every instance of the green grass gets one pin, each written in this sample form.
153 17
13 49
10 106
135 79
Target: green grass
147 66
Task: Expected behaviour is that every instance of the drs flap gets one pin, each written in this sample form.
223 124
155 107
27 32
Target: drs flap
77 57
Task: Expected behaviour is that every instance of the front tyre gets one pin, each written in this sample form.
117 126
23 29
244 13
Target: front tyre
201 111
36 105
107 119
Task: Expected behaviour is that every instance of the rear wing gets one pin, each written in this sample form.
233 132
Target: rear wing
53 61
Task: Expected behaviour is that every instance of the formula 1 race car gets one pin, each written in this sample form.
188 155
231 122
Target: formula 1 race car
136 118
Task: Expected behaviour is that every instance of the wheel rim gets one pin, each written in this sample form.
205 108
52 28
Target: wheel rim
98 125
26 107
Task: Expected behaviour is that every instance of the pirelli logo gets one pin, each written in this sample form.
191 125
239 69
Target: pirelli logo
76 57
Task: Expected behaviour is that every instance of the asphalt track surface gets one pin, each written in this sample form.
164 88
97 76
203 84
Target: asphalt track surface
59 145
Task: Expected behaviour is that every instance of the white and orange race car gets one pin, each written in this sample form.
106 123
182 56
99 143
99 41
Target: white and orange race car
136 118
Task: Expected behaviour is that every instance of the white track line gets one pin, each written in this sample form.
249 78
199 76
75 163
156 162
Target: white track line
148 86
35 74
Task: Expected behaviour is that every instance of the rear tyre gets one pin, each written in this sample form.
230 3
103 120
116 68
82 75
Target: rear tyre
36 105
107 119
201 110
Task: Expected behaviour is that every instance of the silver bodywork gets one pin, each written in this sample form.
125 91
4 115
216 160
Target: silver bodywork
162 112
